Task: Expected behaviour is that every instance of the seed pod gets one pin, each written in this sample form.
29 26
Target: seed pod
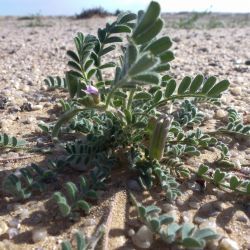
158 138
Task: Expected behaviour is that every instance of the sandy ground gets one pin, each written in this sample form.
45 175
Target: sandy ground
29 53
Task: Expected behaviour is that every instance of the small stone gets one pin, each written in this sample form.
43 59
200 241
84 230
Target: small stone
3 227
247 118
208 224
143 238
247 62
220 114
89 222
15 223
236 91
24 213
166 207
228 244
228 230
37 107
194 205
134 185
187 216
194 186
39 234
12 232
198 220
241 216
131 232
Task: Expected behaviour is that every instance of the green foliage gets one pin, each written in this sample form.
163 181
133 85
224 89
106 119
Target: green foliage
7 141
235 125
55 82
75 198
170 232
188 115
28 180
83 243
221 179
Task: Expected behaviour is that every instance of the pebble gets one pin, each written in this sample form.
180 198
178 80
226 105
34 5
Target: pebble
166 207
134 185
24 213
3 227
14 223
198 220
241 216
194 205
208 224
194 186
247 62
220 114
89 222
37 107
247 118
131 232
236 91
39 234
12 232
228 244
143 238
186 216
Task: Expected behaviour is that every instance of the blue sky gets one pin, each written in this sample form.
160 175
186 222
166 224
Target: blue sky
71 7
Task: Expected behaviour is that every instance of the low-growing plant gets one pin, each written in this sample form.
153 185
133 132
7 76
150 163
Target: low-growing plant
165 227
139 121
83 243
75 198
27 180
137 113
7 141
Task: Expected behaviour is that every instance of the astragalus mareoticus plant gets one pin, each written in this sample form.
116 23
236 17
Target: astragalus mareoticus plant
141 120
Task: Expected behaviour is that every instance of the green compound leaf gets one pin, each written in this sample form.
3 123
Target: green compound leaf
218 176
144 63
149 78
154 225
192 243
120 29
64 208
113 39
126 17
149 17
234 182
196 83
209 83
150 33
202 170
159 46
142 96
170 88
71 190
218 88
184 85
66 245
83 205
81 241
205 233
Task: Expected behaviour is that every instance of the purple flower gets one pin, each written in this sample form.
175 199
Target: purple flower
91 90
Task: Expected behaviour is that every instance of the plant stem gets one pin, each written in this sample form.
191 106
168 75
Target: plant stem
165 101
220 184
130 99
